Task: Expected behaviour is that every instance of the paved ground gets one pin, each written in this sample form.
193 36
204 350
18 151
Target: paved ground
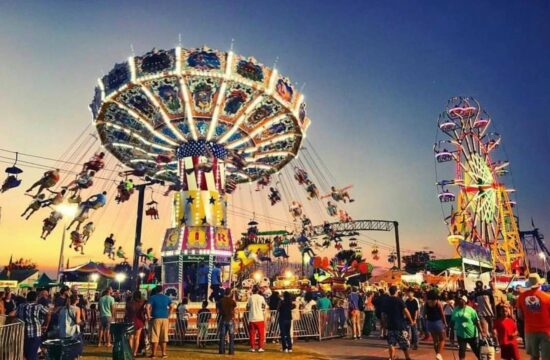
376 349
334 349
189 351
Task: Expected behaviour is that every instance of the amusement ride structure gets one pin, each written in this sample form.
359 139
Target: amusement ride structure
476 201
199 122
205 121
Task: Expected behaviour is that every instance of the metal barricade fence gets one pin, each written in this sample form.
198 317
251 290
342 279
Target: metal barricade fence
12 335
204 327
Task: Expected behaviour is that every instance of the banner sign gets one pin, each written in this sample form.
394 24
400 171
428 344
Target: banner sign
475 252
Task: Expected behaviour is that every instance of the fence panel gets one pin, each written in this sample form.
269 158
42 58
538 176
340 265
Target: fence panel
204 327
12 335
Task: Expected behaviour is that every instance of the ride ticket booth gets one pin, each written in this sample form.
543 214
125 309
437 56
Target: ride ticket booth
181 258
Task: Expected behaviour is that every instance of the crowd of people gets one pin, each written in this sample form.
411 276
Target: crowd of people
485 317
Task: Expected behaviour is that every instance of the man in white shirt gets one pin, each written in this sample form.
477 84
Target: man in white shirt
256 319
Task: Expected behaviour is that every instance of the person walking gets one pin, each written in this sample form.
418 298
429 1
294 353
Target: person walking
256 319
285 321
413 306
370 320
70 318
354 313
135 313
106 306
534 309
158 309
435 322
396 314
379 302
485 306
227 323
467 327
506 332
448 308
36 318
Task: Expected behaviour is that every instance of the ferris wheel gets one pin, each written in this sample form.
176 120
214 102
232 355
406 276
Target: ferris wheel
470 171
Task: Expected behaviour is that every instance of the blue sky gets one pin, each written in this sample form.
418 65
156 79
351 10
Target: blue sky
376 75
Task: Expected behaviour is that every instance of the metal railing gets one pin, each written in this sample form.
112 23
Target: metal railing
12 336
204 327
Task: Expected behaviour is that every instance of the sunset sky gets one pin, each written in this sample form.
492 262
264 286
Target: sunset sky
375 75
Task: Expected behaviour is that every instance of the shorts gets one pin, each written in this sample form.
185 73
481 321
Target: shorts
105 322
435 327
538 341
159 330
399 337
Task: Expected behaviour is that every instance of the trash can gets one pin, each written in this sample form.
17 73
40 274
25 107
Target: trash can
62 349
121 345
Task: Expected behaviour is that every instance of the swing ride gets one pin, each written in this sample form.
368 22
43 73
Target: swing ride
202 119
470 188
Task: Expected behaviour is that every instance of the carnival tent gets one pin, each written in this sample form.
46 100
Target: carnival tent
44 282
91 268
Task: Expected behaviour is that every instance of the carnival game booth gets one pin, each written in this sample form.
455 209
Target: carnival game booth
475 264
88 277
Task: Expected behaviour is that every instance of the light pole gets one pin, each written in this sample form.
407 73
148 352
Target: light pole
94 277
68 211
141 276
542 257
120 277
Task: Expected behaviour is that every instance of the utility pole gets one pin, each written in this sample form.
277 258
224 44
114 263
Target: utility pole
397 248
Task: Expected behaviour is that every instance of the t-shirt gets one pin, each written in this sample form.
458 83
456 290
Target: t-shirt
204 316
505 328
309 306
413 306
105 304
485 302
203 275
465 320
182 310
324 304
256 306
216 276
393 308
227 306
535 307
353 301
285 310
159 306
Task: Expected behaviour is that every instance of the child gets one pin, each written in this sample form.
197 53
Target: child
203 318
506 333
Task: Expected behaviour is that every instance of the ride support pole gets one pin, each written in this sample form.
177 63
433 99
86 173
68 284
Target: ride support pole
139 224
397 248
60 265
